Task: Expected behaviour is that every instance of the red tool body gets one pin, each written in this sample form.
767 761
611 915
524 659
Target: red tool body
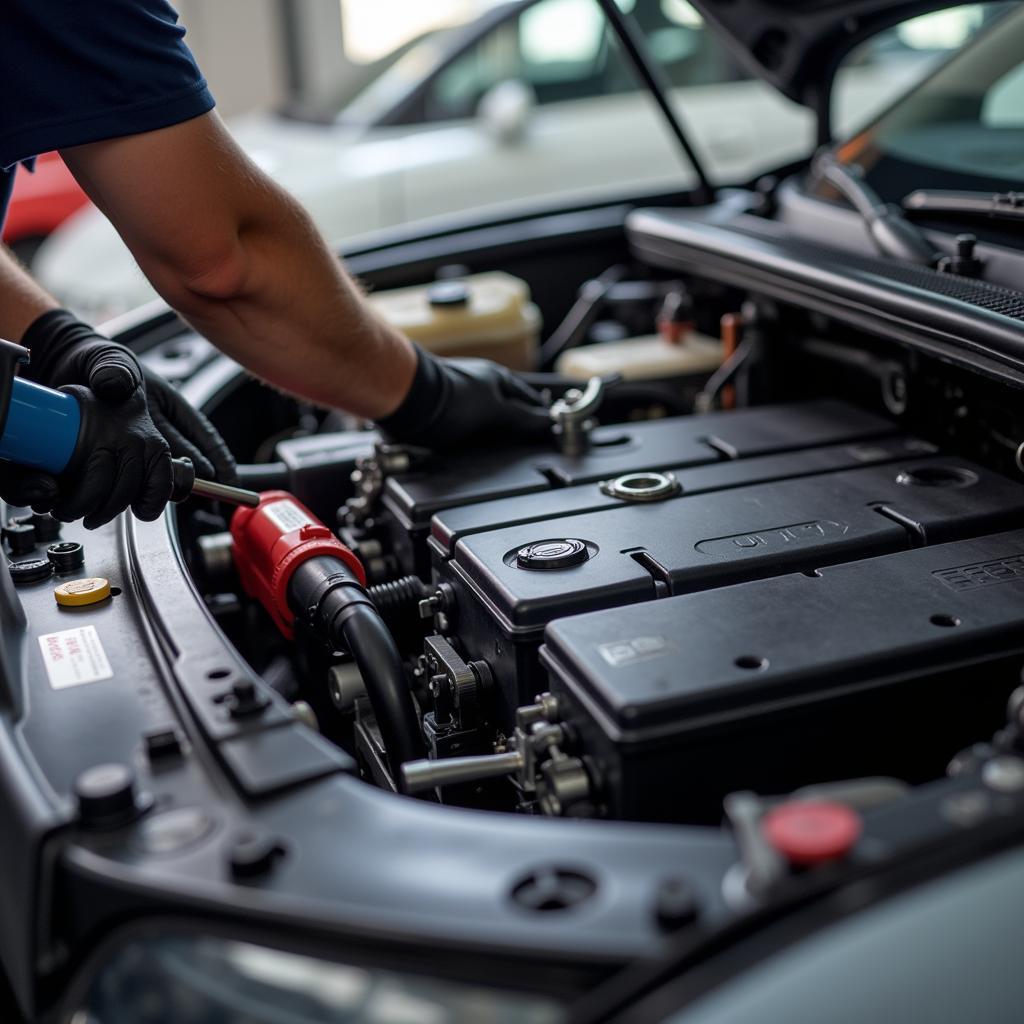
272 541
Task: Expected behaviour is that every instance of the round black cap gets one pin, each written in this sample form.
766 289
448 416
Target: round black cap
552 554
47 528
253 855
448 293
32 571
67 556
20 537
106 796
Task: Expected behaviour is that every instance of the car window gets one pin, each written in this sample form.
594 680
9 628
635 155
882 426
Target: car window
1003 105
891 63
536 100
561 50
963 126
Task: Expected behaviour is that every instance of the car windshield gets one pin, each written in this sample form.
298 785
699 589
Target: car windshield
962 128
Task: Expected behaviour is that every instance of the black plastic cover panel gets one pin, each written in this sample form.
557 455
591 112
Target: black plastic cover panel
796 46
694 542
627 448
451 525
669 665
975 323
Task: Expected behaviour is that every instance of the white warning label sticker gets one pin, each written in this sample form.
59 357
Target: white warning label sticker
74 657
287 516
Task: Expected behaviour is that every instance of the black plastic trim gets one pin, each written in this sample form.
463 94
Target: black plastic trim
964 334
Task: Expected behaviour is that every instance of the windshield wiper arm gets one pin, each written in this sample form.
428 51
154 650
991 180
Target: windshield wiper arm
892 233
1008 206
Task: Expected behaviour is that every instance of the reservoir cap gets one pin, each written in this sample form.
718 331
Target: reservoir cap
552 554
808 832
446 294
77 593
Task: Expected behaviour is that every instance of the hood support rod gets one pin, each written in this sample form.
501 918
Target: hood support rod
635 47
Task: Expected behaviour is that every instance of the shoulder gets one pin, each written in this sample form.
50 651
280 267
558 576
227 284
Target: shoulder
73 72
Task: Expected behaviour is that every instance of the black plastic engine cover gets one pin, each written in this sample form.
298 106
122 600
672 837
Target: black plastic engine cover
452 524
695 542
686 699
411 499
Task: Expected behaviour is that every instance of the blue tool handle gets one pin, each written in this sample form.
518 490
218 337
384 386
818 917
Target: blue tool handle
42 427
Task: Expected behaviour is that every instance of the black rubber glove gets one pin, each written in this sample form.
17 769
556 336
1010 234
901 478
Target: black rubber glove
126 460
25 488
189 433
462 402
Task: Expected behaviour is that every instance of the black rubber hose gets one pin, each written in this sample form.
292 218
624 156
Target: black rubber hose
326 593
398 598
399 605
364 634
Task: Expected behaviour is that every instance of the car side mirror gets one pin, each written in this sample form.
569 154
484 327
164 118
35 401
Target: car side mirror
505 109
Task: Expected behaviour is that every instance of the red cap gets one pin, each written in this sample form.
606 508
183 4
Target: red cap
808 832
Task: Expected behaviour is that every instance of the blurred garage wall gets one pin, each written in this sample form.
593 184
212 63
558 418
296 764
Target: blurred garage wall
260 54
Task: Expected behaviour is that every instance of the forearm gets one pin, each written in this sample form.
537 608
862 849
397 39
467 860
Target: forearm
22 301
284 307
241 260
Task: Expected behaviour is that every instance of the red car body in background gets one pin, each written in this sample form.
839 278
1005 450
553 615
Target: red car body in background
40 202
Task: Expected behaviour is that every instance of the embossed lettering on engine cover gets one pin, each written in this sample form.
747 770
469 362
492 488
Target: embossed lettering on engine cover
776 538
982 574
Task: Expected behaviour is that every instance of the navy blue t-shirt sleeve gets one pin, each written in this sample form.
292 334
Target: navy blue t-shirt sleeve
77 71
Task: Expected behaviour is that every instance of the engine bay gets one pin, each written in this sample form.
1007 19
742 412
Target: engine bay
783 573
655 610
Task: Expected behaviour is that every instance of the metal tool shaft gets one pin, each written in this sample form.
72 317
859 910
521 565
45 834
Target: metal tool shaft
186 483
221 492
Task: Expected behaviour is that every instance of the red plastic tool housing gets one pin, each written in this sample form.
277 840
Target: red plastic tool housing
272 541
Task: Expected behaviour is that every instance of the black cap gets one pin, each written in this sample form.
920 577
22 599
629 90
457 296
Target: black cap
106 796
552 554
448 293
67 556
32 571
253 854
47 528
20 537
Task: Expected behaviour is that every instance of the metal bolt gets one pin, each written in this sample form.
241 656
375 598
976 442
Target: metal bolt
253 855
675 905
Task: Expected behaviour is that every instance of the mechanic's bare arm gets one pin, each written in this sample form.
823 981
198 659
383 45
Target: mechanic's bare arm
22 301
241 260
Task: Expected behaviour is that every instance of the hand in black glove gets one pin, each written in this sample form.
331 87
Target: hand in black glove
461 402
125 461
25 488
122 461
189 433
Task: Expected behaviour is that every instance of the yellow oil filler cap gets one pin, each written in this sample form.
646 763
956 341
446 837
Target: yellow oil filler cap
77 593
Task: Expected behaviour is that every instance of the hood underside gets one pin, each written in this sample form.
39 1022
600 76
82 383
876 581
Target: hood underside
796 45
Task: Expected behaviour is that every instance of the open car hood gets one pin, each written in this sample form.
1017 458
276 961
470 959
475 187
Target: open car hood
796 45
